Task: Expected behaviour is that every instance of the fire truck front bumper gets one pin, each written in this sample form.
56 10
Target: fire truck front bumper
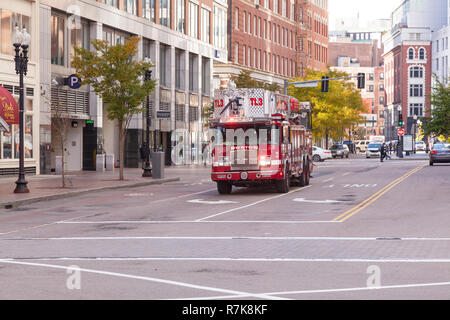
247 175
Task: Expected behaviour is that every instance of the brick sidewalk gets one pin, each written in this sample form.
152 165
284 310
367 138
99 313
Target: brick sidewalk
48 187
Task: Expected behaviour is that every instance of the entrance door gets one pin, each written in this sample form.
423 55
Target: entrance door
73 149
89 148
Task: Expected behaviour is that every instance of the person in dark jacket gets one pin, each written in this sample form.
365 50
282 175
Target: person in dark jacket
382 152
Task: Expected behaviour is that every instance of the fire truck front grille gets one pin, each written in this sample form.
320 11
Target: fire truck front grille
244 167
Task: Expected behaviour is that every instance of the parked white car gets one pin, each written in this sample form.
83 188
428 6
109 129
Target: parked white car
373 150
320 154
421 146
361 145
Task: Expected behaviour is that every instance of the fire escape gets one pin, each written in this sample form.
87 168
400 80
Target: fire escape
304 31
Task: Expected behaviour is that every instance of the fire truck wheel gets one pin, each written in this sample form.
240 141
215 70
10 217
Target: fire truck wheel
307 175
283 185
224 187
302 179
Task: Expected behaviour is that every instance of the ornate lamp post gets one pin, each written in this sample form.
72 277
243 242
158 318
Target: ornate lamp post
148 121
21 42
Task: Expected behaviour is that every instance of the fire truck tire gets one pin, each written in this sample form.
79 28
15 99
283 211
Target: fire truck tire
307 175
224 187
283 185
302 179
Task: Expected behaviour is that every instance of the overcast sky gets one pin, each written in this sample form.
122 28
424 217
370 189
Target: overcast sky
368 9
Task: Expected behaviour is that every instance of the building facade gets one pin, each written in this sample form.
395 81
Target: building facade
181 37
23 13
408 58
275 40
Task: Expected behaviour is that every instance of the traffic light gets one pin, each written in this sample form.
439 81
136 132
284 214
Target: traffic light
361 80
325 84
400 120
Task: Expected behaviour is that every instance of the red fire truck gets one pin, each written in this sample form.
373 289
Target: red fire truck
260 137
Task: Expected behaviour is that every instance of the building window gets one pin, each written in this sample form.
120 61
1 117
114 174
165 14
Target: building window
131 6
113 3
206 25
371 77
416 90
416 109
149 9
79 38
193 20
422 54
371 88
10 142
381 75
236 18
416 72
57 40
381 87
179 69
382 100
236 53
220 27
275 6
164 13
180 16
411 54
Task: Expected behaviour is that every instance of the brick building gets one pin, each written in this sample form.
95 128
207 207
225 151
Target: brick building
274 39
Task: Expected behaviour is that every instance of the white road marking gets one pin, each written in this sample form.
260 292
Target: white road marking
400 286
139 194
346 174
205 221
252 204
344 260
129 276
315 201
328 180
232 238
201 201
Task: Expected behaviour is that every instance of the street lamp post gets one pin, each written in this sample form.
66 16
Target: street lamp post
147 169
21 42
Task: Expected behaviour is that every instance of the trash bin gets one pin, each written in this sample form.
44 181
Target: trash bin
158 165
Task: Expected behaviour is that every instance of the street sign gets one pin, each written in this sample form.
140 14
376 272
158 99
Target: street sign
74 82
401 132
163 114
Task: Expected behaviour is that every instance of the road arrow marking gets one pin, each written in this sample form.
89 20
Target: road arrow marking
315 201
201 201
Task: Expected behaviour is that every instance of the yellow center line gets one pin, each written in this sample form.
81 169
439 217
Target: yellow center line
346 215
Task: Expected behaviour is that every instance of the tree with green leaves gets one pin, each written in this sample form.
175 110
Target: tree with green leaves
245 80
335 111
438 122
118 78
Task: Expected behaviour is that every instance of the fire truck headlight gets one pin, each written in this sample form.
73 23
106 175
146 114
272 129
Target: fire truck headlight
264 161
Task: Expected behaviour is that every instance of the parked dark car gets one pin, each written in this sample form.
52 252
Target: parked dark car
339 150
440 153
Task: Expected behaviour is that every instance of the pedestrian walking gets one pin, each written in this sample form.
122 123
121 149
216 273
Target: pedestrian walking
387 152
382 152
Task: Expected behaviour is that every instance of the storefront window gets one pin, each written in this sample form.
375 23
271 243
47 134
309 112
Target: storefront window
10 141
28 137
7 144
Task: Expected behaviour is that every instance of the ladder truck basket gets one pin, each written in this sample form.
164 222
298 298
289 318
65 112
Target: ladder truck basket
248 104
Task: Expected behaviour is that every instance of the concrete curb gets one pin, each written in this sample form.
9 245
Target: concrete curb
16 203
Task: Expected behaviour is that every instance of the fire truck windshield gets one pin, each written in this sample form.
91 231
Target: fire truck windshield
247 134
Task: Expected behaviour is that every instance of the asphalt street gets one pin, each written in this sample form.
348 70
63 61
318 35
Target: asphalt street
361 230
